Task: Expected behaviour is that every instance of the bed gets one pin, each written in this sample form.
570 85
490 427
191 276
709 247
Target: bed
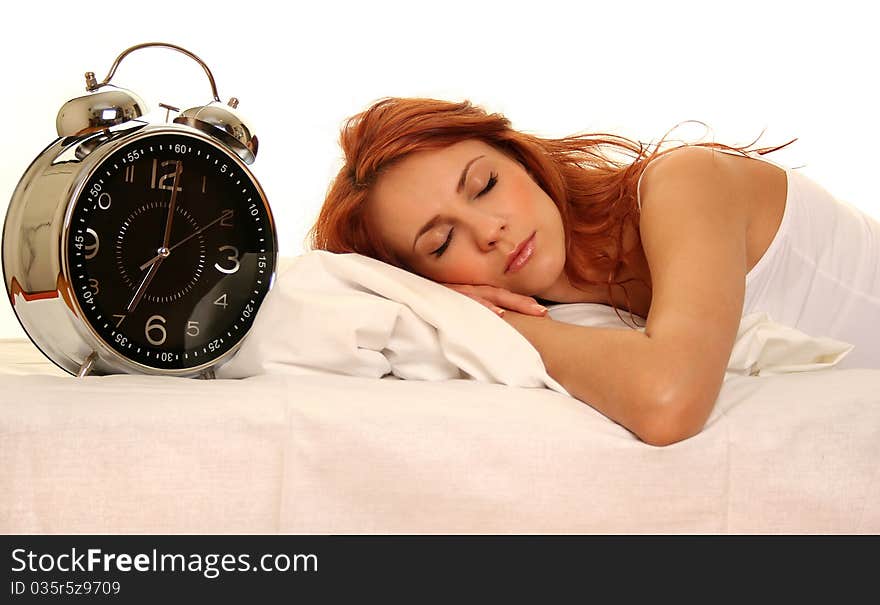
369 401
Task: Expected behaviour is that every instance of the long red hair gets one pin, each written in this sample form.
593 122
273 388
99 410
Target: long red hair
595 193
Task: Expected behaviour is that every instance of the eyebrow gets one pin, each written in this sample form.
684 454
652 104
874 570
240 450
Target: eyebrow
433 222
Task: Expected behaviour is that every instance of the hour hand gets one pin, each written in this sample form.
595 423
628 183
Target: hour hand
162 253
143 287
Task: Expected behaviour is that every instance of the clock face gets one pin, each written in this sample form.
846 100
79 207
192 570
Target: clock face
170 251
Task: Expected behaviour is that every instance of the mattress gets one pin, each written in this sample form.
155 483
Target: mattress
325 454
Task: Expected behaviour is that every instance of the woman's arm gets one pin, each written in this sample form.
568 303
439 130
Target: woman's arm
618 372
662 384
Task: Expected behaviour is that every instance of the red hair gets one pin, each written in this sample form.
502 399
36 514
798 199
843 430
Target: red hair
595 194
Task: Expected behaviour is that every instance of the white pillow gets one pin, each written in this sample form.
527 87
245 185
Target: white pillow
350 314
353 315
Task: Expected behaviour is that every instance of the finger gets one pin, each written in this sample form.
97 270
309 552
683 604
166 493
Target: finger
515 302
503 298
497 298
489 304
527 305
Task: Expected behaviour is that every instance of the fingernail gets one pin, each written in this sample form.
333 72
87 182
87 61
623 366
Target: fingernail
500 312
541 308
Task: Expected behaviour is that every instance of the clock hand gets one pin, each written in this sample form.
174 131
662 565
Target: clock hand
184 240
163 250
143 287
171 206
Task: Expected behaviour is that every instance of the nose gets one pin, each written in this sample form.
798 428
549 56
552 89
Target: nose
489 230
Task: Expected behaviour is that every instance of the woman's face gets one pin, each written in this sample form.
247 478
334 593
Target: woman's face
456 214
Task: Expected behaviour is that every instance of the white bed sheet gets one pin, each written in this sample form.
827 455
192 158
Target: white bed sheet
789 453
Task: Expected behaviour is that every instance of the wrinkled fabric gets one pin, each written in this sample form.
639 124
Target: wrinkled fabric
353 315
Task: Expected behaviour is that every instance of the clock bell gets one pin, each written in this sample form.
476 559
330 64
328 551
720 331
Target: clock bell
107 106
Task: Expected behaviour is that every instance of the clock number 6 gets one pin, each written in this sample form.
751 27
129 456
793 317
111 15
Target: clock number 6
233 257
156 323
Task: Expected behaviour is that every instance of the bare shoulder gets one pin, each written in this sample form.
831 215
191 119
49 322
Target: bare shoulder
690 167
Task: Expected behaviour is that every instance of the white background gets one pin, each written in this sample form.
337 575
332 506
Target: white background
795 69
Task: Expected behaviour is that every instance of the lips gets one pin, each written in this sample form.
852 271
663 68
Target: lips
521 254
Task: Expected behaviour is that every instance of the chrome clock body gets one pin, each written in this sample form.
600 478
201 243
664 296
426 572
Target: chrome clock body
48 287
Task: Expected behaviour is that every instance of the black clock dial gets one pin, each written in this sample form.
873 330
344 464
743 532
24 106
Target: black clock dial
170 251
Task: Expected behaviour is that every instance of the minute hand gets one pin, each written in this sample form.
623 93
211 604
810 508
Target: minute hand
184 240
171 205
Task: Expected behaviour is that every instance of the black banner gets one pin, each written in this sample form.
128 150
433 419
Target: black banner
330 569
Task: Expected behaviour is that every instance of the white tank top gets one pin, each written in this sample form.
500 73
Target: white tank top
821 273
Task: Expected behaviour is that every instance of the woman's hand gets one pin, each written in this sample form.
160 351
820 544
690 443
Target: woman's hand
499 299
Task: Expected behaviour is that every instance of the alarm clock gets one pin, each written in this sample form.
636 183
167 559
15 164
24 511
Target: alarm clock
140 247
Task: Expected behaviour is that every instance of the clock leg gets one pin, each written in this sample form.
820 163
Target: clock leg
86 366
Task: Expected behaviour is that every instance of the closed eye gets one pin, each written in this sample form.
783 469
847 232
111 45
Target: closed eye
493 179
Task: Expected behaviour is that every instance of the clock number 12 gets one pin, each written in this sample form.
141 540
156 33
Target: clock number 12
166 179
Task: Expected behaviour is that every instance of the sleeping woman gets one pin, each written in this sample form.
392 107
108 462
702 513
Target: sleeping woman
687 240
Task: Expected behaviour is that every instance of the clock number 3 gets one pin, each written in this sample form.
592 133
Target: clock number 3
232 257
